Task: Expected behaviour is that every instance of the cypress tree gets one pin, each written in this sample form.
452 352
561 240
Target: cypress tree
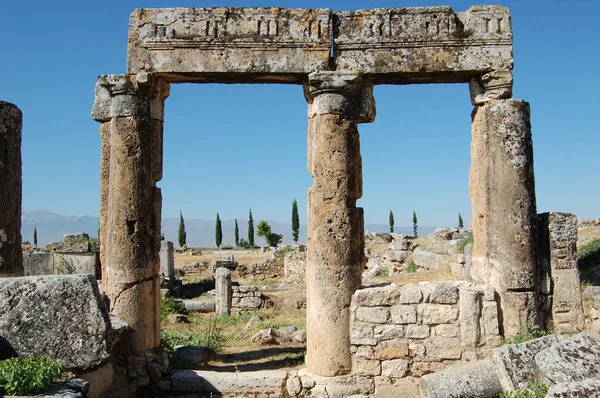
181 234
415 228
295 221
460 221
218 232
250 229
236 234
35 236
391 222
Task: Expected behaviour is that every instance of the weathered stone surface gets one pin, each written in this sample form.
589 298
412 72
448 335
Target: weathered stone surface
428 260
71 388
589 388
574 359
194 355
502 193
335 224
62 317
199 305
470 313
403 314
476 380
11 259
223 291
379 296
167 260
218 44
423 44
496 84
293 386
516 362
229 383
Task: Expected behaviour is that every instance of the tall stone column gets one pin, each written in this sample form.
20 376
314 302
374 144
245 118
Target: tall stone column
338 101
502 188
131 110
11 258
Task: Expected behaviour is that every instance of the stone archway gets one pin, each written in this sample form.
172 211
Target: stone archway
338 57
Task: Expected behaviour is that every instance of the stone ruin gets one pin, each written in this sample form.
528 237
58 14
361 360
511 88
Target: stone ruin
358 341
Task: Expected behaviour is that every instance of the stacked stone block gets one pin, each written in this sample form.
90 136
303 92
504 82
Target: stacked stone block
270 269
412 330
246 298
294 266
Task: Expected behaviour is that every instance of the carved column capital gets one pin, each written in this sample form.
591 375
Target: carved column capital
496 84
341 93
125 95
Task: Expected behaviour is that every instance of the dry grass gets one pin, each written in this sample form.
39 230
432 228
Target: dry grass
242 257
587 234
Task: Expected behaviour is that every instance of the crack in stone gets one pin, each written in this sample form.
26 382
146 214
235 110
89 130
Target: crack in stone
129 286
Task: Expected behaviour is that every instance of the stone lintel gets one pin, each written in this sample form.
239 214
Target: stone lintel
436 44
180 41
341 93
124 95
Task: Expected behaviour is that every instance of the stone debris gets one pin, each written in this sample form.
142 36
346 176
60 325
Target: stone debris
588 388
194 355
476 380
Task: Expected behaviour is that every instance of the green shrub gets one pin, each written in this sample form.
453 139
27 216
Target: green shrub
170 306
526 333
464 242
281 253
589 257
382 272
410 267
28 375
210 337
536 389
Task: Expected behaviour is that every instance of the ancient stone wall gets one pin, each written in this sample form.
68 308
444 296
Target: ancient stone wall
49 263
11 261
246 298
294 267
270 269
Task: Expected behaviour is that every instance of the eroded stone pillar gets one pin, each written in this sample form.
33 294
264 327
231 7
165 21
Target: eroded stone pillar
11 258
223 291
502 191
338 101
131 110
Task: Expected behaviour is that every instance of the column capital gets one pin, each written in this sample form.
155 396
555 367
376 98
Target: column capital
341 93
496 84
129 95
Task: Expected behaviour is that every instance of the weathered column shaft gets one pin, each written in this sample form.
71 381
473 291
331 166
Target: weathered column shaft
502 191
104 186
223 291
11 258
337 102
130 230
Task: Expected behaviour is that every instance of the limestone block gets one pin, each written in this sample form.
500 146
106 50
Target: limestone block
388 332
470 313
386 387
194 355
410 294
407 41
403 314
38 263
373 314
447 330
478 379
395 368
428 260
340 386
262 44
11 259
417 331
199 305
496 84
251 302
441 348
417 350
366 367
589 388
62 317
491 325
361 330
444 293
574 359
74 263
396 255
365 352
419 369
433 314
377 296
516 362
392 349
229 383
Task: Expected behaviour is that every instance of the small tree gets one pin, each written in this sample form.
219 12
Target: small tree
250 229
35 236
415 227
236 234
391 222
460 221
181 234
263 229
218 232
295 221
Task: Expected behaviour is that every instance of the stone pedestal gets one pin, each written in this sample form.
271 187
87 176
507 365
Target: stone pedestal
131 110
502 191
337 102
557 258
11 259
223 291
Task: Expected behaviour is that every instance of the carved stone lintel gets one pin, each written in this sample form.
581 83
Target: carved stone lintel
124 95
496 84
341 93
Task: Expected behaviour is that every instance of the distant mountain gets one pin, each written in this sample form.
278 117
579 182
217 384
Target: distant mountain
51 227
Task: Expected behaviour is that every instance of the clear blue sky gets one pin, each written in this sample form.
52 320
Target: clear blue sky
231 147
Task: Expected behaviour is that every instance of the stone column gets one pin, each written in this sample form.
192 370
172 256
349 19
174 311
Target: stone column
557 259
11 258
502 188
167 260
131 110
223 293
338 101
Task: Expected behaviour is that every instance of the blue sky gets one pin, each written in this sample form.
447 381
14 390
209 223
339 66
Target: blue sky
231 147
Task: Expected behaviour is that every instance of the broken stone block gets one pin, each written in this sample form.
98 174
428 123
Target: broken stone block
478 379
516 362
574 359
60 316
589 388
